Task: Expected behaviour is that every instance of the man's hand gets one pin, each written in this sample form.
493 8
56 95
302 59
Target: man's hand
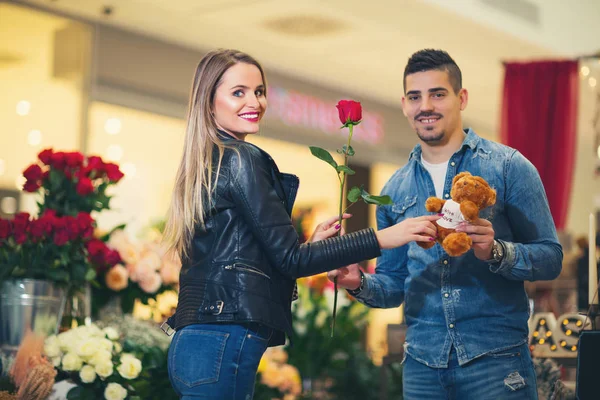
348 277
482 233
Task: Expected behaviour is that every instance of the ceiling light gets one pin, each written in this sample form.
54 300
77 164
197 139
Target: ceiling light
112 126
34 138
23 108
592 82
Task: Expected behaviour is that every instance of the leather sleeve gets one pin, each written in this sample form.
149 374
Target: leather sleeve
254 194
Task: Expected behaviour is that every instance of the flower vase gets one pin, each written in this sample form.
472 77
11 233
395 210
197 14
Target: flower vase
28 305
77 308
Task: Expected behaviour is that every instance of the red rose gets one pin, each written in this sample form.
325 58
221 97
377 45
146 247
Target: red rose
58 161
72 228
38 228
112 257
95 163
95 247
83 172
31 186
33 173
45 175
113 173
61 237
21 222
5 228
350 112
84 187
74 159
20 237
85 223
45 156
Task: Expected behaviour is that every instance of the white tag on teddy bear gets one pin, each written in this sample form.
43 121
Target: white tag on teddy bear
452 215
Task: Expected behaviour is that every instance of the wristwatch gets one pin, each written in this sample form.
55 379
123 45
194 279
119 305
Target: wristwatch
497 253
360 287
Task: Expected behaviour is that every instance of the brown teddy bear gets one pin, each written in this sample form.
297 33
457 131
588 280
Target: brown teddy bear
469 195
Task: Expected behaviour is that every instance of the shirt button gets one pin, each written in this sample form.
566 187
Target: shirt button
451 326
453 163
446 295
445 262
446 195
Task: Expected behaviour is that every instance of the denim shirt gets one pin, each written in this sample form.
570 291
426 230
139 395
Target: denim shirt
463 302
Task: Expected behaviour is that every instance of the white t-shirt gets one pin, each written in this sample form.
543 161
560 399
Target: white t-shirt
452 215
438 175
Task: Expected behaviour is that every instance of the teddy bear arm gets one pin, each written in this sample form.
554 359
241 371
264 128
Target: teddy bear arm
434 204
469 210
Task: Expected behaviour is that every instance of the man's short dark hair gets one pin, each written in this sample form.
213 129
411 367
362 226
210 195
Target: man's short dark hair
430 59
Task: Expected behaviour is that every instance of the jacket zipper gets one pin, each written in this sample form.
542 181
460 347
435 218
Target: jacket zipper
244 268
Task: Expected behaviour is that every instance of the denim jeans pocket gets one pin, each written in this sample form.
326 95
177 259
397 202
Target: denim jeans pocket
197 356
259 332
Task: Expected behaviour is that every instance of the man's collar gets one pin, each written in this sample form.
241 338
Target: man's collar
471 140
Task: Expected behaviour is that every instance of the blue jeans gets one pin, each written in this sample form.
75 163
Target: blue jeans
504 375
217 361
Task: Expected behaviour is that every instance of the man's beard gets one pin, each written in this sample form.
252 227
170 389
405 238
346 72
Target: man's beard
431 139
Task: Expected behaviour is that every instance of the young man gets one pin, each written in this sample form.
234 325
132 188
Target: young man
466 316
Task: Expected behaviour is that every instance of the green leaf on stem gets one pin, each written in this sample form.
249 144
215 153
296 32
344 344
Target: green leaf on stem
345 169
354 194
343 151
350 150
377 200
324 155
90 275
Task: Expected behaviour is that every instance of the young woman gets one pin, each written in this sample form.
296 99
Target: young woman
230 222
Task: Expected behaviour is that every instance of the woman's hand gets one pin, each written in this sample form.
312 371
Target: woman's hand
327 228
419 229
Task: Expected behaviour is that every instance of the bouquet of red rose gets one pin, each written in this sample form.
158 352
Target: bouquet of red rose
50 247
71 182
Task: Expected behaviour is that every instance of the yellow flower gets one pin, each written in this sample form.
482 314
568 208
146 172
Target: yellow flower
114 391
262 365
71 362
104 369
101 356
51 347
111 333
87 348
130 367
87 374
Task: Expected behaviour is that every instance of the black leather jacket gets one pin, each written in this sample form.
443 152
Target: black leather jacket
245 261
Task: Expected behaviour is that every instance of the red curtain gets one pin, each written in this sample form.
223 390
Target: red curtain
539 118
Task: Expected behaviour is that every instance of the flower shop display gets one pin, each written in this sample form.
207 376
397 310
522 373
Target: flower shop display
71 182
143 272
49 247
276 379
333 368
94 359
350 114
30 375
54 246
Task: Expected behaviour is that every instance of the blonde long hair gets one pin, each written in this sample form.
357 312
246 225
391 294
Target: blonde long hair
196 181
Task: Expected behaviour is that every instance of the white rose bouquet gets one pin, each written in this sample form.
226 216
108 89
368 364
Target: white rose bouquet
94 359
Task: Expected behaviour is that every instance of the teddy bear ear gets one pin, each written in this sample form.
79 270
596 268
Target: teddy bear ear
461 175
491 200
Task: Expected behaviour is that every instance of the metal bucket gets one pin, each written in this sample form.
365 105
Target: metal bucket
29 305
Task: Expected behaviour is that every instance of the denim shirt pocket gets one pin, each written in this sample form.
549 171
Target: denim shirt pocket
405 208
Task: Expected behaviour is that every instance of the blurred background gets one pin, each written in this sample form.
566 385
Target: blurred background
112 78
